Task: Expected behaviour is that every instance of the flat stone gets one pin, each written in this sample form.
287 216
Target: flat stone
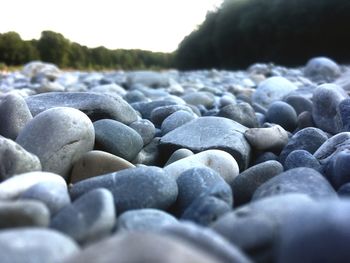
94 105
38 245
14 116
16 160
59 137
96 163
134 188
88 218
206 133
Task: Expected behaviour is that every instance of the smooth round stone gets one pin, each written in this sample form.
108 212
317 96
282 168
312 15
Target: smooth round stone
176 120
322 69
17 185
134 188
133 96
55 196
178 155
144 220
142 247
146 108
272 138
227 99
338 167
206 209
302 158
206 133
88 218
326 99
298 180
344 113
299 103
37 245
23 213
96 106
117 138
158 115
217 160
254 228
59 137
241 112
147 78
16 160
308 139
199 98
305 120
323 235
195 182
96 163
265 156
145 128
332 146
246 183
283 114
272 89
207 240
14 115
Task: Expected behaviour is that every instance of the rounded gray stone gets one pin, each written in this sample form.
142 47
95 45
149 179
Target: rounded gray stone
176 120
145 128
322 69
242 113
178 155
59 137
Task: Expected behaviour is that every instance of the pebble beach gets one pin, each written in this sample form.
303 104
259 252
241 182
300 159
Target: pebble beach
210 166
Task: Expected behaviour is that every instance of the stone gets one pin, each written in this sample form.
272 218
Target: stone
178 155
309 139
321 70
65 135
95 106
23 213
207 240
89 218
206 133
246 183
302 158
55 196
158 115
134 188
144 220
272 89
34 68
299 103
176 120
241 112
149 155
94 163
272 138
117 138
283 114
16 160
14 116
147 78
199 98
344 113
34 244
142 247
344 190
265 156
112 90
337 169
298 180
145 128
305 120
146 108
217 160
326 99
13 187
47 85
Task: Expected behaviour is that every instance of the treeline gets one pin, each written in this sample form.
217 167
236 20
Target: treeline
286 32
55 48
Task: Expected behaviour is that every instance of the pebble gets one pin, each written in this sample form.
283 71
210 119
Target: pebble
337 170
158 115
14 116
117 138
298 180
16 160
200 98
344 113
299 103
302 158
206 133
322 69
33 244
147 78
65 135
90 217
176 120
241 112
147 219
145 128
94 163
149 155
134 188
283 114
178 155
146 108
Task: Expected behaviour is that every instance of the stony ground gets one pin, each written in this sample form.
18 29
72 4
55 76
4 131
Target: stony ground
201 166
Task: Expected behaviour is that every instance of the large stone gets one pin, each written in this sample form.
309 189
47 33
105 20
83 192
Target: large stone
96 106
206 133
134 188
59 137
37 245
322 69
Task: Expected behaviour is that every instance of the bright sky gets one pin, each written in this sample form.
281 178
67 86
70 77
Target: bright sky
157 25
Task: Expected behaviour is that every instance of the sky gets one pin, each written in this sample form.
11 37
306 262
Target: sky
156 25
